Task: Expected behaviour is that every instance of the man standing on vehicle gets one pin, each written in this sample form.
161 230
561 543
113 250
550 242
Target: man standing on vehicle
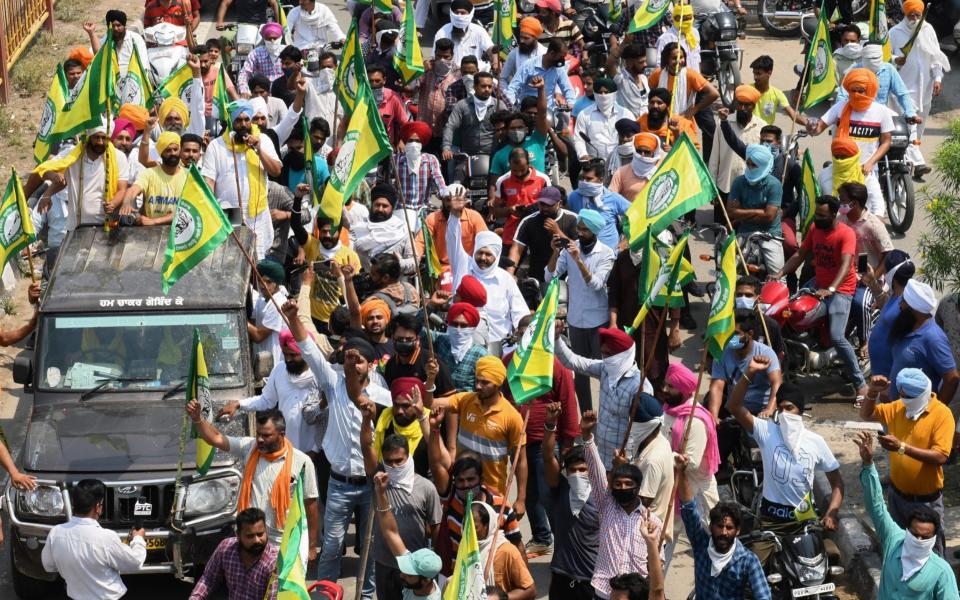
469 120
595 134
726 165
245 564
263 60
528 48
469 38
626 64
552 69
791 454
124 40
88 557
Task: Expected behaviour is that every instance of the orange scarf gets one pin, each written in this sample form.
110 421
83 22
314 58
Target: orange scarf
857 102
280 494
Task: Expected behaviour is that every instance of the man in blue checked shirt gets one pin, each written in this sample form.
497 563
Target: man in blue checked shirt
552 67
722 566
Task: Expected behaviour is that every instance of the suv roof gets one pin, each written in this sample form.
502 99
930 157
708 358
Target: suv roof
94 273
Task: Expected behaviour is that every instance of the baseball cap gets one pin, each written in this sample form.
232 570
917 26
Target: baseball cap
549 195
423 563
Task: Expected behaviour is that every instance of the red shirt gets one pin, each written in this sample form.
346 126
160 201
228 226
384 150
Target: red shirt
176 13
568 426
828 247
513 191
393 113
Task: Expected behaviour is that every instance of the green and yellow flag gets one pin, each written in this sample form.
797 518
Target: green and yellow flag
221 98
467 580
434 266
530 373
197 230
648 14
809 192
282 21
408 60
821 71
96 91
680 184
365 144
913 37
293 546
879 33
16 227
177 84
383 6
806 510
56 99
667 278
309 163
351 70
505 21
135 86
672 297
198 389
720 323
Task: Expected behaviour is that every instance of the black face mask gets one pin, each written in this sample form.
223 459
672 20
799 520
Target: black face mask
824 224
624 496
379 217
294 160
903 324
404 348
743 117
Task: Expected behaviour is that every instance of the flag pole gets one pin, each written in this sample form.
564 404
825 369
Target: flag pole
33 273
365 553
796 111
253 266
646 364
503 505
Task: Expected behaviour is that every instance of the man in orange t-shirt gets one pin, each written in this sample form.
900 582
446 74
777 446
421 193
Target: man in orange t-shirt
658 120
694 93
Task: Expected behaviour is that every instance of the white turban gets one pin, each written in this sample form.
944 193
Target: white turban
259 107
920 297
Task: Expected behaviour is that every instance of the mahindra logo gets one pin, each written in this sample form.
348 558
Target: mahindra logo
127 490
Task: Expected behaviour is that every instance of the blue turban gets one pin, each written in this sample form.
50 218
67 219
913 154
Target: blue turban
760 155
239 107
912 382
592 219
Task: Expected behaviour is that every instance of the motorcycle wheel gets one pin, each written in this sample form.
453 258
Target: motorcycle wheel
774 27
900 205
728 78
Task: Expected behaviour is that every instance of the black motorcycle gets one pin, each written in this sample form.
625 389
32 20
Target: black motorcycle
896 178
799 566
720 55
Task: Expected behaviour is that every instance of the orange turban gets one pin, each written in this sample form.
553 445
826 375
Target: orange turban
136 114
857 102
647 141
371 305
844 148
531 26
910 6
748 94
83 54
491 369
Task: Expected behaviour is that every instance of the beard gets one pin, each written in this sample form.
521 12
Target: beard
295 367
177 129
98 149
743 117
294 160
171 161
656 117
722 543
379 217
672 399
903 324
255 549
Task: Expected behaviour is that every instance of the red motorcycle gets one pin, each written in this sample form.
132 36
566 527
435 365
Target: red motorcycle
805 326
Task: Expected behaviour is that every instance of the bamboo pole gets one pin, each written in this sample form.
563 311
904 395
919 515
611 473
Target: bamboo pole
503 505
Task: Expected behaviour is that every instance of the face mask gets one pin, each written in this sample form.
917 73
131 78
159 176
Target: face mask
325 80
468 83
404 348
378 95
580 489
719 560
273 48
873 62
851 51
401 477
412 151
605 102
744 302
845 209
915 554
736 342
774 148
515 136
442 67
889 275
462 494
644 166
755 174
791 426
914 407
288 72
410 586
461 21
461 338
823 224
624 496
625 150
294 160
591 189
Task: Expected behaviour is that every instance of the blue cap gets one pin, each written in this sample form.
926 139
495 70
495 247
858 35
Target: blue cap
424 563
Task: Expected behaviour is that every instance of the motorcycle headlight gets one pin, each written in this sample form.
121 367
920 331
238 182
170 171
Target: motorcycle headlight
211 495
812 574
41 501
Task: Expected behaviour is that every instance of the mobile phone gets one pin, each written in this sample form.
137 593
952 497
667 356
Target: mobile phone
323 267
862 263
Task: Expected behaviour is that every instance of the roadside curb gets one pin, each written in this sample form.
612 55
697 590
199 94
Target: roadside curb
858 548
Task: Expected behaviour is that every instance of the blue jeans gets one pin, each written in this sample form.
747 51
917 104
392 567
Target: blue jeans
538 495
838 307
342 500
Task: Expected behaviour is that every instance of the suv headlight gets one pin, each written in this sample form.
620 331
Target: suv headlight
42 501
212 495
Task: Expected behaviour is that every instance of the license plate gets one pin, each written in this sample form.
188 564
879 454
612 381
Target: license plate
814 589
156 543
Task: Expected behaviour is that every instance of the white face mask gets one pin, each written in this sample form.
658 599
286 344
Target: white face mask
461 21
625 150
605 102
914 407
719 561
851 51
643 166
442 66
461 339
580 490
412 151
273 48
873 63
889 275
591 189
915 553
744 302
791 427
401 477
325 80
468 83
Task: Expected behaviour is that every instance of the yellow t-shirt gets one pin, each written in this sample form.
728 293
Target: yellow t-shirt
932 431
160 191
491 433
770 102
325 293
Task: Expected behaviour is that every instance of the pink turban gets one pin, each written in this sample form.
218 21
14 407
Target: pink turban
289 343
271 30
682 379
122 124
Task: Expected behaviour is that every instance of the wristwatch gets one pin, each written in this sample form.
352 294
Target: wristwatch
902 449
832 290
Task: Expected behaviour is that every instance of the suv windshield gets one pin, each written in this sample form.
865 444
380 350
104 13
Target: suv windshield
140 352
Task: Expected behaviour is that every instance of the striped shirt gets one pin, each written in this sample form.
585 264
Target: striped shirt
490 432
453 508
567 32
464 371
416 186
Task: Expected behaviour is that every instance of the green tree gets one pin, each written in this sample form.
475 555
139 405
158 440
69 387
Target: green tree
940 240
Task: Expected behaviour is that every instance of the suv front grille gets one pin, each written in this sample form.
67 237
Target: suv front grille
119 504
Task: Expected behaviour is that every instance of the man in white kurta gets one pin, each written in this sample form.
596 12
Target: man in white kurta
921 69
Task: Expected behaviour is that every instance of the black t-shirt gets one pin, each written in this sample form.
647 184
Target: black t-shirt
250 11
575 538
534 236
394 369
278 89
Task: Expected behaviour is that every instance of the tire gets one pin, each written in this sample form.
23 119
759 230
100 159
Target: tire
728 78
773 27
29 588
900 207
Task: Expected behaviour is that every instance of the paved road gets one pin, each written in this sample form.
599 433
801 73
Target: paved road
785 53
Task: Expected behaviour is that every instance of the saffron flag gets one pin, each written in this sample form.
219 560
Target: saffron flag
56 99
530 372
291 572
95 94
197 230
821 78
365 144
198 389
680 184
505 21
16 227
720 323
177 84
667 278
351 70
809 192
879 33
135 86
648 14
434 266
467 583
408 59
913 37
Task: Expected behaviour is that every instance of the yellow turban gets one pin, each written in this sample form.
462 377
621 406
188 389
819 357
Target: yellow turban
166 138
490 368
170 105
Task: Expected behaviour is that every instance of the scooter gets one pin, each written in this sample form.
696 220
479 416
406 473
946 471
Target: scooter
720 55
799 565
896 178
164 51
